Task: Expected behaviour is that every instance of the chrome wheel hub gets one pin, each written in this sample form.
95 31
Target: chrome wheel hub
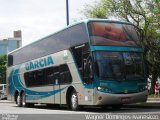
74 101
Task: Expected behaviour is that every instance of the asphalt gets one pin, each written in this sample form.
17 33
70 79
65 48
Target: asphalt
149 100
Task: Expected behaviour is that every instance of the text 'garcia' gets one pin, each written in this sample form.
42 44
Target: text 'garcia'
39 63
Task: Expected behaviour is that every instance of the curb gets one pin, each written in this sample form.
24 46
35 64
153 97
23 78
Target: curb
153 100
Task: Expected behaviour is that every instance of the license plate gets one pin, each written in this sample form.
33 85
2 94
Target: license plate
125 100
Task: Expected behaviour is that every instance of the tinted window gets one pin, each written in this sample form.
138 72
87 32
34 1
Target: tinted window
39 77
78 35
56 42
109 65
65 74
55 78
29 79
134 65
119 65
78 54
34 78
87 68
48 76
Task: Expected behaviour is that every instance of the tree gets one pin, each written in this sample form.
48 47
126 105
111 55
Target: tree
144 14
98 10
3 61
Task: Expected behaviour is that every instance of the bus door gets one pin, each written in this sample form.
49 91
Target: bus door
80 54
57 86
87 68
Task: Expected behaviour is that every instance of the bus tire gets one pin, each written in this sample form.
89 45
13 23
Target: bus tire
23 99
24 103
74 101
19 100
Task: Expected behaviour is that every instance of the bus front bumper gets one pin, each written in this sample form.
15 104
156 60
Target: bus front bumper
111 99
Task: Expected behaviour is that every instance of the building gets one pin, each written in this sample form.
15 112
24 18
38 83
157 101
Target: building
10 44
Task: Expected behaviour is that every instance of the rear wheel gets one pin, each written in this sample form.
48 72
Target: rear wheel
24 104
74 101
23 99
19 100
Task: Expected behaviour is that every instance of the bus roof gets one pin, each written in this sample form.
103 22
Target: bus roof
81 21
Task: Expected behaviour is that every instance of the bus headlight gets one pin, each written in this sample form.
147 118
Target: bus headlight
104 89
146 87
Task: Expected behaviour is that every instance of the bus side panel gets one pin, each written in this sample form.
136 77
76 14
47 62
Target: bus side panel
63 94
10 84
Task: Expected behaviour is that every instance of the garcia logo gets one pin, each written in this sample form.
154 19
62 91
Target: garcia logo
39 63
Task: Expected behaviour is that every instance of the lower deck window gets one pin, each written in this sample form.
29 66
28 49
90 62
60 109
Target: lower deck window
48 76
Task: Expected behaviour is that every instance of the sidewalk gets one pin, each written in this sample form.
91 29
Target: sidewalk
153 100
5 101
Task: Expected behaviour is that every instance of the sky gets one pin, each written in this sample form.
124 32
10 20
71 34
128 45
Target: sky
37 18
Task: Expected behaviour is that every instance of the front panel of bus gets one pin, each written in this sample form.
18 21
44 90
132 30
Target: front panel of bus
118 67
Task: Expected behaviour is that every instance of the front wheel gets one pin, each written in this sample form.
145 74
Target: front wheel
74 101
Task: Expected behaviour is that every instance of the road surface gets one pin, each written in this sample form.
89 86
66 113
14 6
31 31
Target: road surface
10 111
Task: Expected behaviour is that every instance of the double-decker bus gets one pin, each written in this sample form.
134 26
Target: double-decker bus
95 62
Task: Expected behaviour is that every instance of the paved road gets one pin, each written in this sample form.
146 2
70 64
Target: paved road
41 112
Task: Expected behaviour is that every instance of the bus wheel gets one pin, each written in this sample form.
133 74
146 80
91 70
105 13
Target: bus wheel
24 104
19 100
74 101
23 99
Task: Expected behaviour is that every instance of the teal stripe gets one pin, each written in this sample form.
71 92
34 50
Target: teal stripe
116 48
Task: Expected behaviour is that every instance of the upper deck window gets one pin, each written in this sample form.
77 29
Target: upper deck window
69 37
116 34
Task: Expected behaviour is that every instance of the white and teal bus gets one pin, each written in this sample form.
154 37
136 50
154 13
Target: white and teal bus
95 62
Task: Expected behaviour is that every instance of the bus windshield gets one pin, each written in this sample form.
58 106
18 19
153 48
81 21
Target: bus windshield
118 65
134 65
114 34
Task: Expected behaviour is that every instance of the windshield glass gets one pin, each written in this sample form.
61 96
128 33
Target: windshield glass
109 65
116 34
134 65
118 65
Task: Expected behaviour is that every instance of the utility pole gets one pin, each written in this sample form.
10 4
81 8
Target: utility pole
67 12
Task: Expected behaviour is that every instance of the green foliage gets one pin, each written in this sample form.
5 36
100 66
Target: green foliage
145 15
98 10
3 61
